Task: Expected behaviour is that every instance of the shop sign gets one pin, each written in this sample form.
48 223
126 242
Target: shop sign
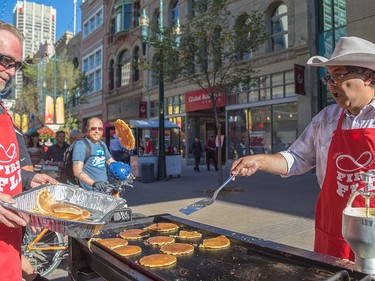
199 99
299 79
142 109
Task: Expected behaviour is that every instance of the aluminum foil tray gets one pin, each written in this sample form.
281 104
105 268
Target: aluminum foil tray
101 206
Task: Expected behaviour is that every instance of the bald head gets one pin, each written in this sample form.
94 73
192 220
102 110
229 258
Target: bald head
94 129
12 29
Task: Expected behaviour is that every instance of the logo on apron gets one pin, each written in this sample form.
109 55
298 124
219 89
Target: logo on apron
349 171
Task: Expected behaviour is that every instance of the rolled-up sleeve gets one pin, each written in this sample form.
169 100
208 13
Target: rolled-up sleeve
27 177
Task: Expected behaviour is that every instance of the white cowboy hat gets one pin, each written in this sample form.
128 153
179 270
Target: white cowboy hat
147 136
350 51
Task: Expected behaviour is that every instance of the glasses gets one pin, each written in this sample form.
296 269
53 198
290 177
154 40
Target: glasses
336 78
8 62
96 128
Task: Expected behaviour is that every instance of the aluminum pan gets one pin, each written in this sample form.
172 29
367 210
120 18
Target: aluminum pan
101 206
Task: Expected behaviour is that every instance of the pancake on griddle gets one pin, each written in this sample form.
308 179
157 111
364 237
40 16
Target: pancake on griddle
183 234
160 240
158 260
128 250
112 243
177 249
163 227
216 242
134 234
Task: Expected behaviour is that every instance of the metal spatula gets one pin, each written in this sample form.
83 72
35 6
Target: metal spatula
205 202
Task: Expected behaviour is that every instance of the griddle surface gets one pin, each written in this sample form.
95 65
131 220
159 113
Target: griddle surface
241 261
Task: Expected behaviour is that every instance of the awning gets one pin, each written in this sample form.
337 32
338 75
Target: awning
146 124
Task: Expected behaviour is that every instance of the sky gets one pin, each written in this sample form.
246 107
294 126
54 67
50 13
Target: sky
64 13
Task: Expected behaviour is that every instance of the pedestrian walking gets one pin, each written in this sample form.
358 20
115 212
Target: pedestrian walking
211 152
196 150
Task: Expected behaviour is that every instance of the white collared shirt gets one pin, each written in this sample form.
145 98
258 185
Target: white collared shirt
311 148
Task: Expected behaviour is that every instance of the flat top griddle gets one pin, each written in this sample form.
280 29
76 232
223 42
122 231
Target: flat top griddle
248 258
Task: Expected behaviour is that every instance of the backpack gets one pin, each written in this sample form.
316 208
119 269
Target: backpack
68 160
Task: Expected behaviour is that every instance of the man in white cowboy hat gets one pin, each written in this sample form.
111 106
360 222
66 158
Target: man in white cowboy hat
328 141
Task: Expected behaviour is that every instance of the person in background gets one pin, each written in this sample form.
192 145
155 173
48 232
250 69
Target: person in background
55 153
211 152
34 148
196 150
327 142
116 148
93 173
149 147
74 135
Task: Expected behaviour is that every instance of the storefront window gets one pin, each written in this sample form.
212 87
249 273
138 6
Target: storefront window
265 93
237 133
254 93
289 84
277 86
266 129
284 126
260 133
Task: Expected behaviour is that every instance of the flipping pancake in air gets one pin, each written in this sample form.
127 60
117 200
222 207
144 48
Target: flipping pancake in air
124 134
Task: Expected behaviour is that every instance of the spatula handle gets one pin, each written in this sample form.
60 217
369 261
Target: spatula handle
222 186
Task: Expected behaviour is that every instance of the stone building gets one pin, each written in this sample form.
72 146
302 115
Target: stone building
265 118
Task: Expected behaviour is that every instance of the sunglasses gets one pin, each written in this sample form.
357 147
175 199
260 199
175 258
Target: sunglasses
8 62
336 78
96 128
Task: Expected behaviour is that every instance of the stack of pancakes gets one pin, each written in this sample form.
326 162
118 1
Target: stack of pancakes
48 206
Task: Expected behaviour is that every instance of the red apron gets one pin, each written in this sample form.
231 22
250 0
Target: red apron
351 152
10 183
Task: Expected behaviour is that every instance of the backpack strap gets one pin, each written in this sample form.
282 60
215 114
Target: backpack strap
88 150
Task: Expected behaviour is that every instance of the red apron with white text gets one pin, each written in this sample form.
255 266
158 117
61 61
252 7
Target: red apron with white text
10 183
351 152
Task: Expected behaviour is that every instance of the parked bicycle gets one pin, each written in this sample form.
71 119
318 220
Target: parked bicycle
46 250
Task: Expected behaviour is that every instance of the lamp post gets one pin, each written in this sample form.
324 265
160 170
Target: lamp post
144 22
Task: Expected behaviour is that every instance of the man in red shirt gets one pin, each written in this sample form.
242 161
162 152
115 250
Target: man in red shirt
11 174
149 149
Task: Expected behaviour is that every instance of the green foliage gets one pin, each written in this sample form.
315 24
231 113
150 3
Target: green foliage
38 71
214 51
71 123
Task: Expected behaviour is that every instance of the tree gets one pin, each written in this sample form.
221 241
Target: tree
39 71
71 123
213 51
